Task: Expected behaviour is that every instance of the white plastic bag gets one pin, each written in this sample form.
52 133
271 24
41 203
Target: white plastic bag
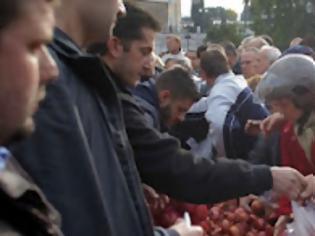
304 220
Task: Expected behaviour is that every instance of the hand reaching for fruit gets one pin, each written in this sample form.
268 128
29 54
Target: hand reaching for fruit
280 226
289 182
272 123
308 193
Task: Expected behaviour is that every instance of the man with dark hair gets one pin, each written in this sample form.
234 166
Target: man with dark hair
25 69
162 163
227 109
80 155
166 101
233 57
214 63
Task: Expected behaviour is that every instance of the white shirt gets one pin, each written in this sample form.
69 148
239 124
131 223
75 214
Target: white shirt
179 56
223 95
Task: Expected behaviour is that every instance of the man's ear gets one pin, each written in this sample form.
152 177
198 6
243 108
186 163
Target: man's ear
115 47
164 97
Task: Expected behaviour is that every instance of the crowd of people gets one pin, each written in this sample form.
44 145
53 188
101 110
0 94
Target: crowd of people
90 114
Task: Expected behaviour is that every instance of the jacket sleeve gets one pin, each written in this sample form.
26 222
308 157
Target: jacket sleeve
159 231
169 169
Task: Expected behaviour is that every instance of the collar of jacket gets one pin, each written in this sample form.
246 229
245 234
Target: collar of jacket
64 45
147 91
118 82
89 67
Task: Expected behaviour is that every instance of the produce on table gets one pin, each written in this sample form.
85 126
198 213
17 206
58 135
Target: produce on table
224 219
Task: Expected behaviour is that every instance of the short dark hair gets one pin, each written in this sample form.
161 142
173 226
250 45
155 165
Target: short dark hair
214 63
129 27
200 50
10 10
179 82
229 48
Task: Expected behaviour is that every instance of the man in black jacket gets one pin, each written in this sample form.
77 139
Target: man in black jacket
161 162
25 69
80 155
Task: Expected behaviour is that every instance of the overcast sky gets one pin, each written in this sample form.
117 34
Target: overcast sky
236 5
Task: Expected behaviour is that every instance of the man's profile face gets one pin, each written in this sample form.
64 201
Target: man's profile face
262 63
249 64
174 111
131 61
25 66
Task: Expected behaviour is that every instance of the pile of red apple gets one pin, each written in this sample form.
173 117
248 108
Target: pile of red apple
224 219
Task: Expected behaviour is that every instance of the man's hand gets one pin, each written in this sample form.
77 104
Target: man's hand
281 225
252 127
309 191
289 182
272 123
183 229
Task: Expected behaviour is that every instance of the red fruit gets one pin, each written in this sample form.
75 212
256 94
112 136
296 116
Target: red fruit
214 213
243 227
230 216
252 218
262 233
269 230
199 214
206 226
259 224
258 208
250 234
168 218
217 231
241 215
189 207
235 231
226 224
272 218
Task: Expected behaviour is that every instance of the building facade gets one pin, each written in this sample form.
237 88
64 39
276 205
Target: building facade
167 12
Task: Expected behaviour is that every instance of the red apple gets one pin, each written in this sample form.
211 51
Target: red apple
226 224
235 231
214 213
269 230
168 218
259 224
199 214
241 215
206 226
258 208
262 233
230 216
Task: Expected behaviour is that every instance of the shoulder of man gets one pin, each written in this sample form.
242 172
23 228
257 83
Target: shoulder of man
18 193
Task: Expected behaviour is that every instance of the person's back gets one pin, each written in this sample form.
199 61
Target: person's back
227 108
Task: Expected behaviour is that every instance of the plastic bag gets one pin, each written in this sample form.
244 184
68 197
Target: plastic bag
304 220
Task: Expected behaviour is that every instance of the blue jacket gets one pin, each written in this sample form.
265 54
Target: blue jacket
146 95
80 155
